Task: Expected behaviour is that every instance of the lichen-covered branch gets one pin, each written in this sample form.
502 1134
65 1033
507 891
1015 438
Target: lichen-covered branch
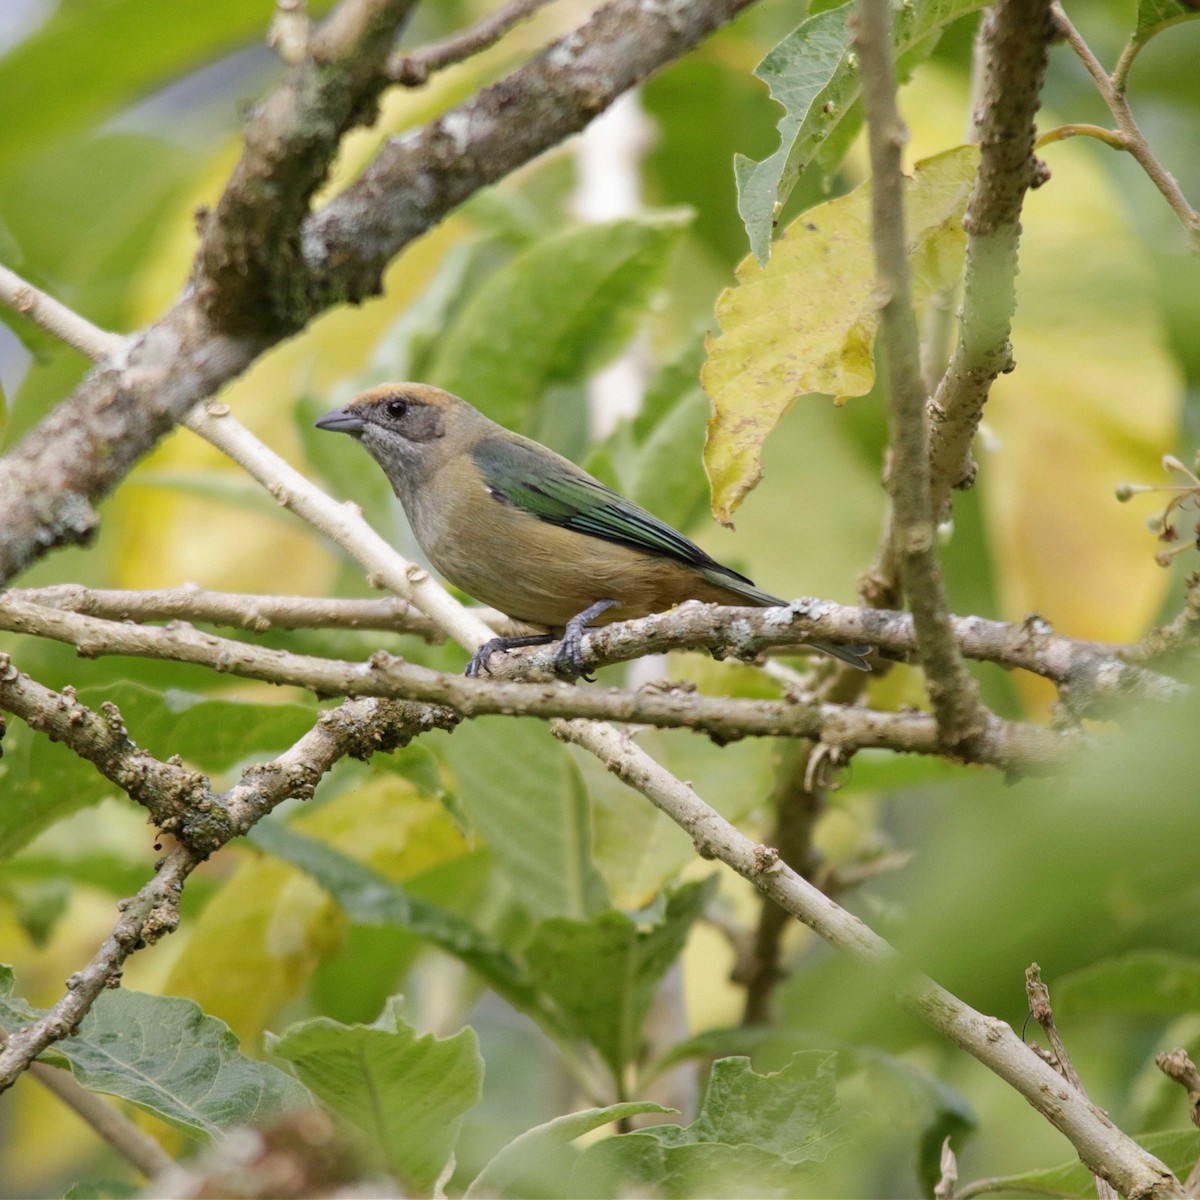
1012 745
358 728
419 177
250 274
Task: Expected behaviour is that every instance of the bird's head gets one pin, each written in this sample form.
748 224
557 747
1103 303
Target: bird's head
410 429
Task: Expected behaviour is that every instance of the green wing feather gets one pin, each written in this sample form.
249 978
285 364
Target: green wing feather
555 490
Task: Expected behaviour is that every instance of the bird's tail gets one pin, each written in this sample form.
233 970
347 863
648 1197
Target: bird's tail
743 589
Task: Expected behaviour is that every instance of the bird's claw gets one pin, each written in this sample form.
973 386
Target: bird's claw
568 658
479 660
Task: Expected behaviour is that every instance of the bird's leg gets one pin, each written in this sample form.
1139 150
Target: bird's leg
569 658
478 664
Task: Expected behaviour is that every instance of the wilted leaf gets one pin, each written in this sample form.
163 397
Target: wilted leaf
806 322
405 1094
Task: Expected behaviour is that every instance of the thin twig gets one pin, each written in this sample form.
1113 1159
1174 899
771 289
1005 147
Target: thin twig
252 611
1130 137
107 1120
414 68
167 791
954 693
1093 676
1039 1007
66 324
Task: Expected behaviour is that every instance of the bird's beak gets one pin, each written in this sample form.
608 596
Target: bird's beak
341 420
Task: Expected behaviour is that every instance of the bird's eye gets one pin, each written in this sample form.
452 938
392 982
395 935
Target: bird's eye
396 409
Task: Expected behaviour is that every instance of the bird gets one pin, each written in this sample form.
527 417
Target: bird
520 528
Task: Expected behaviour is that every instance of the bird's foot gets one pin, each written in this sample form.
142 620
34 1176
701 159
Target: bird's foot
568 659
479 660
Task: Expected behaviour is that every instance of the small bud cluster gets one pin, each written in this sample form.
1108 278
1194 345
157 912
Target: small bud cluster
1182 496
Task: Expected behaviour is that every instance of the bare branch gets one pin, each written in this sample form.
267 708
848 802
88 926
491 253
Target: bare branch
250 273
358 728
1128 136
797 806
954 693
255 612
166 791
415 68
64 323
107 1120
420 177
1177 1065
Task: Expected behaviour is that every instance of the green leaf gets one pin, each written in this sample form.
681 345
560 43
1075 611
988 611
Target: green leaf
371 899
654 458
1155 15
536 1163
752 1136
805 323
43 782
1175 1147
101 58
814 75
170 1059
405 1094
553 313
920 1100
603 973
524 795
1142 983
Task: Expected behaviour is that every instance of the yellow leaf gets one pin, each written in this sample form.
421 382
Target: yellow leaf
261 937
806 322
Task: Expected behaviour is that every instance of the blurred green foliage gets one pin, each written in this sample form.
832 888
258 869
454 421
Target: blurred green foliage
546 924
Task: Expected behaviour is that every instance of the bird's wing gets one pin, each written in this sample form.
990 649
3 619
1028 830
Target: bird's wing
555 490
